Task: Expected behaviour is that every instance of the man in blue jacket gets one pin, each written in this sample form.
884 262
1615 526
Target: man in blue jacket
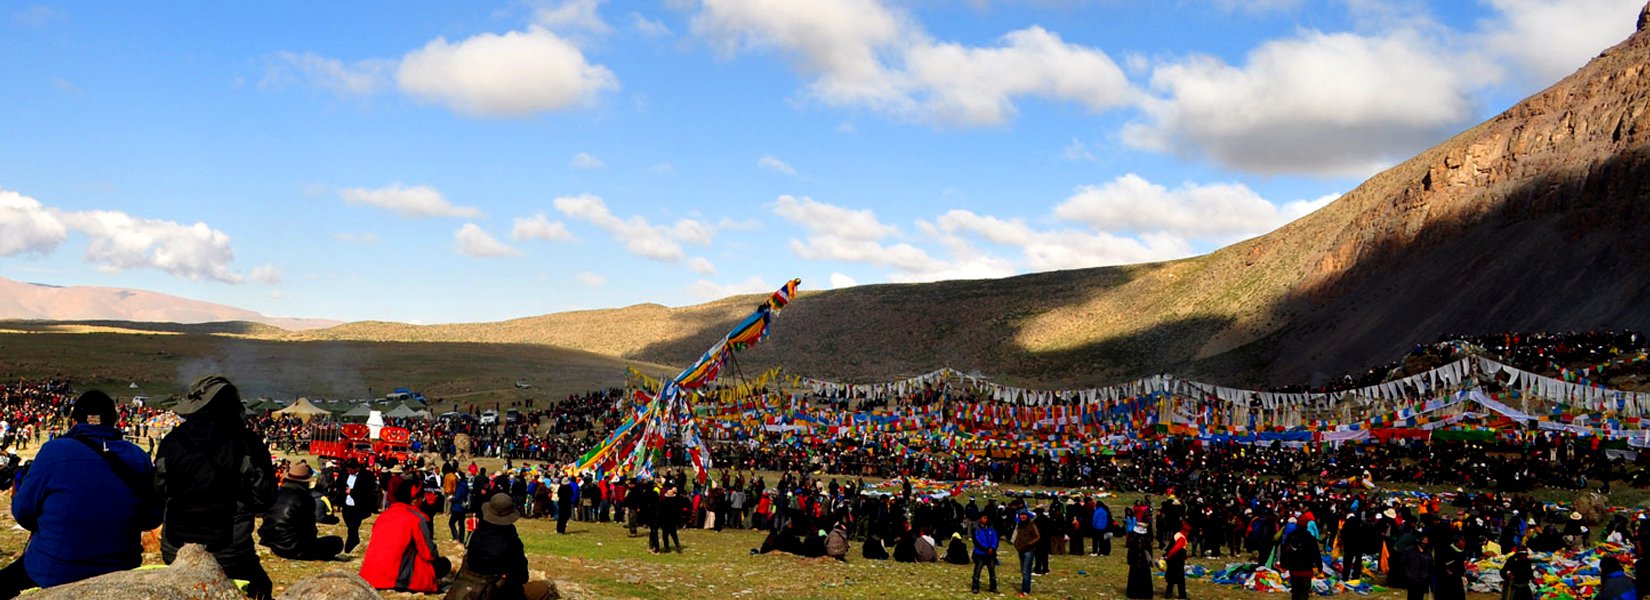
985 553
1101 521
87 499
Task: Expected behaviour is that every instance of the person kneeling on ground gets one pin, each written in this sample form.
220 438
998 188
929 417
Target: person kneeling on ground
496 552
289 529
957 552
87 498
836 546
401 553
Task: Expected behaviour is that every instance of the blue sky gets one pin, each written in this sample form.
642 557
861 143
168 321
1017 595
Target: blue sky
445 162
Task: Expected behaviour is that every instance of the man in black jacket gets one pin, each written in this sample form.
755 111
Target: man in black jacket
289 529
358 490
564 504
496 550
214 476
671 509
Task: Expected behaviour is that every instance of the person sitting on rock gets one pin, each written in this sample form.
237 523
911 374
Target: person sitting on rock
214 476
289 529
496 551
401 553
87 497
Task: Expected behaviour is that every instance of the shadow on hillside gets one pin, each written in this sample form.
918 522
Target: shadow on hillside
1567 251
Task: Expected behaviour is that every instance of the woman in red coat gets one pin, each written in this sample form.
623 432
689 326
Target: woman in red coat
401 554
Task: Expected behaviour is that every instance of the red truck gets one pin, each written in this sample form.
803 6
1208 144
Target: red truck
340 442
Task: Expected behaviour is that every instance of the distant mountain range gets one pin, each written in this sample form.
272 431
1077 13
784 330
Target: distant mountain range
1536 220
33 301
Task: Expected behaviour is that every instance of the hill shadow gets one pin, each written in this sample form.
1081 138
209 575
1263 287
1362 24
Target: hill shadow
1565 251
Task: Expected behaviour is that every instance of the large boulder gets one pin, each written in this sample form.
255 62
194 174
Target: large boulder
336 585
195 575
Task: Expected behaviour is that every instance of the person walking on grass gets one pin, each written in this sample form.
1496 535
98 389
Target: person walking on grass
1026 536
985 553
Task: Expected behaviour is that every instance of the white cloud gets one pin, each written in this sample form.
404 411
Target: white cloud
701 265
1077 151
1318 103
1257 6
586 161
119 241
573 17
539 227
663 169
710 290
416 201
774 164
978 86
1044 250
473 241
641 237
27 226
1222 211
510 75
358 238
831 220
1549 39
592 279
1129 220
37 15
362 78
839 281
864 53
267 274
648 27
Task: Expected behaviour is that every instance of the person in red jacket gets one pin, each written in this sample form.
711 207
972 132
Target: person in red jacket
401 554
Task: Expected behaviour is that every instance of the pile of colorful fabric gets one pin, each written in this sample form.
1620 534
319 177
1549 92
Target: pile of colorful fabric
1251 576
1559 576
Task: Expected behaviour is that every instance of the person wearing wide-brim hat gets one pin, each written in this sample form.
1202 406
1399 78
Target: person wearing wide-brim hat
289 528
495 550
214 476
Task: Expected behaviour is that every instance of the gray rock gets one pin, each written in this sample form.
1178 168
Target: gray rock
195 575
336 585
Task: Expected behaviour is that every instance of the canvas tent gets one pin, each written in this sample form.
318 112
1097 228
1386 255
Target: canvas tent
303 410
361 412
406 412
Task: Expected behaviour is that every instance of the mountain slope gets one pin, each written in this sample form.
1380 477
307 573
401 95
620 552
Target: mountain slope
1538 219
32 301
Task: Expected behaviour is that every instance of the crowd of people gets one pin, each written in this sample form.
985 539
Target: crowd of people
102 478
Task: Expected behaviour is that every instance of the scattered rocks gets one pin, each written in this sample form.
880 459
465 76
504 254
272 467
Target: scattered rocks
336 585
195 575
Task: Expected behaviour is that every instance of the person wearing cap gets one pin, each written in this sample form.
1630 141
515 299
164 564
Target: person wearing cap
985 552
1299 556
289 528
495 551
1138 545
215 476
1174 563
87 498
1026 536
401 553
